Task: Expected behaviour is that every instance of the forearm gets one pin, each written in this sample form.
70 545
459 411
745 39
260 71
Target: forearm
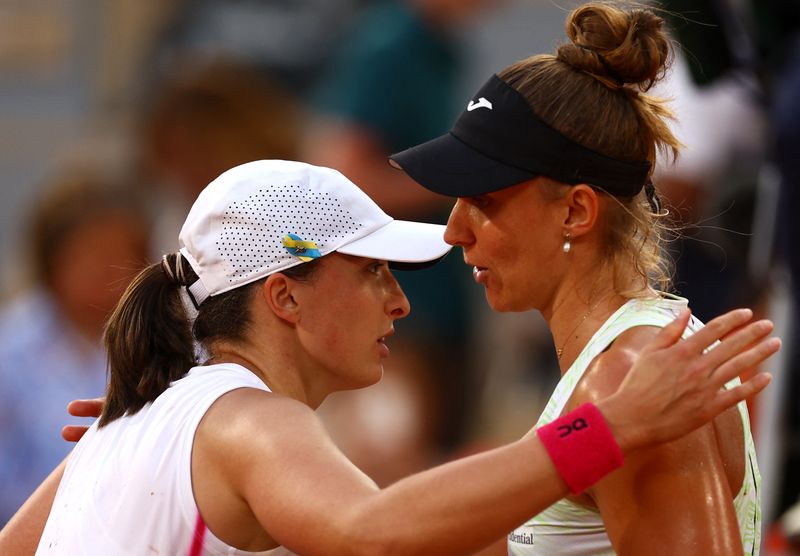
457 508
21 534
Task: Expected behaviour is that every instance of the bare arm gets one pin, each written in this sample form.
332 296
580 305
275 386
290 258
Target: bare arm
672 498
21 534
295 481
497 548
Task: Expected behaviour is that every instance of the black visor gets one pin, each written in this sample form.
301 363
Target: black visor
498 142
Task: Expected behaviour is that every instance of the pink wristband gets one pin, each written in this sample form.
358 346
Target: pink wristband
581 446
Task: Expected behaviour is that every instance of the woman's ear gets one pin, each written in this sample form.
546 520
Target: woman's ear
280 295
583 205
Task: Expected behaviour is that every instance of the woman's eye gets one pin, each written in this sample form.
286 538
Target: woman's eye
375 268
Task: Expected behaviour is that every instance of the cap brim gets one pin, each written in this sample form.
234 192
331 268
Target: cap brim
448 166
406 245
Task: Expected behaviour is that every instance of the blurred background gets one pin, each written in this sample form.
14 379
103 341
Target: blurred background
114 115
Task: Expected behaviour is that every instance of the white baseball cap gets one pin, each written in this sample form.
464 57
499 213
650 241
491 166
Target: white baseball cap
265 216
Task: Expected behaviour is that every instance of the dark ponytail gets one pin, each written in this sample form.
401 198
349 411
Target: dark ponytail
149 342
150 339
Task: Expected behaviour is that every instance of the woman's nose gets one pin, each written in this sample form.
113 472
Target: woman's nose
397 305
456 232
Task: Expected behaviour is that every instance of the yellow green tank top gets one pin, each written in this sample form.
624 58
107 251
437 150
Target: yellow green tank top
568 529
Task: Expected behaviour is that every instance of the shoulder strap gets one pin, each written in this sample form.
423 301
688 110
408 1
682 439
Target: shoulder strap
637 312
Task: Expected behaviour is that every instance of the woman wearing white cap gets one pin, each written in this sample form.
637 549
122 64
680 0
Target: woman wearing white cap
551 163
283 270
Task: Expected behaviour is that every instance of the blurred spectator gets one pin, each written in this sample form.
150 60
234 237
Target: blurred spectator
289 40
710 188
753 50
392 85
69 72
208 117
205 117
87 239
786 125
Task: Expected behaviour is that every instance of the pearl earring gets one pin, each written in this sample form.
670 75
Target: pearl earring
567 245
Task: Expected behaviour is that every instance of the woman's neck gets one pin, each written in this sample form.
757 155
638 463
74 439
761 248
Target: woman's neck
580 306
278 369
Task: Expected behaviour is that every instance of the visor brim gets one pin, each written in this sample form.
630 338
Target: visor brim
448 166
405 245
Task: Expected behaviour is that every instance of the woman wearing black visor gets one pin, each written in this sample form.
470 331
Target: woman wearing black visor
550 163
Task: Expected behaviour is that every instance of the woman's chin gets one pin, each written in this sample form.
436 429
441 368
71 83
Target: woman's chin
369 377
496 302
502 305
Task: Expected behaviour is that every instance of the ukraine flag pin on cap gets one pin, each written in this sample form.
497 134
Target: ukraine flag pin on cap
297 246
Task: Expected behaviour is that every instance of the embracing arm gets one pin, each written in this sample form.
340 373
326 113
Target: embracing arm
21 534
302 490
311 499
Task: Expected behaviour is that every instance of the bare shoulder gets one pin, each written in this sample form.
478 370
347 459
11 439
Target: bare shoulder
607 371
249 432
251 417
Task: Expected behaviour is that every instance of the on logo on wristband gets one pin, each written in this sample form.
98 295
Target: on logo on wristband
576 425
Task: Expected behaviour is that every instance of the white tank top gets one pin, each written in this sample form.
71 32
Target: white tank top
127 487
568 529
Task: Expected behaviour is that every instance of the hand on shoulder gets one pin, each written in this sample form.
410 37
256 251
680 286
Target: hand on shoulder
606 372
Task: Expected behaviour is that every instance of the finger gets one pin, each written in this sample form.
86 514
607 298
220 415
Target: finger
737 343
725 399
672 332
86 408
716 329
746 360
73 433
732 332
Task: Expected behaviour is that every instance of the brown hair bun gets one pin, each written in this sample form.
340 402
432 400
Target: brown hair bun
617 46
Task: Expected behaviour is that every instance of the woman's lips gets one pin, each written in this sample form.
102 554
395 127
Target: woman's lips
383 348
480 274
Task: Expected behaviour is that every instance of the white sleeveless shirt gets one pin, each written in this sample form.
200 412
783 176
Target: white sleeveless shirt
127 487
569 529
